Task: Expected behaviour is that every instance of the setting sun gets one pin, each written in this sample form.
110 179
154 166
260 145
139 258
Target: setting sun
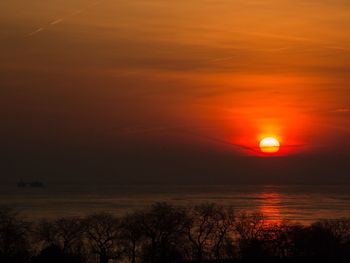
269 145
175 131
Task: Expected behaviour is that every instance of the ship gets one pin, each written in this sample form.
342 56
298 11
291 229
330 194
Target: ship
32 184
36 184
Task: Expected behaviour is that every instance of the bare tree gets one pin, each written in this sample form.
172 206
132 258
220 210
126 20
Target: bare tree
102 232
70 232
251 231
163 226
14 237
250 226
46 233
330 239
131 236
339 228
202 228
224 220
64 236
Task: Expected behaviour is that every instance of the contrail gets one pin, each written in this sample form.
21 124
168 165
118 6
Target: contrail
56 21
217 140
61 19
189 130
36 31
185 130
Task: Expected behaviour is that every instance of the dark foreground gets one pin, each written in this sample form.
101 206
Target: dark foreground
167 234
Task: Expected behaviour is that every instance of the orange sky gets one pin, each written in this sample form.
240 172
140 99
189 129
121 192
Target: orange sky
84 71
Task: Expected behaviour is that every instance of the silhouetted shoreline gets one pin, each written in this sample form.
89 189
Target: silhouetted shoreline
164 233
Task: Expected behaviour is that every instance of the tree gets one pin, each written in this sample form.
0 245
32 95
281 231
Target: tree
64 237
251 233
102 232
206 229
328 240
163 227
14 237
131 235
46 233
69 231
224 220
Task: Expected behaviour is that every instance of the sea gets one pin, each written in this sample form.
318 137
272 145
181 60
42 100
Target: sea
297 203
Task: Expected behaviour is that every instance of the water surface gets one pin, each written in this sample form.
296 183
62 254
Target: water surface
303 203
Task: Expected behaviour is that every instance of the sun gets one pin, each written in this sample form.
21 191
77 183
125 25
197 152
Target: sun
269 145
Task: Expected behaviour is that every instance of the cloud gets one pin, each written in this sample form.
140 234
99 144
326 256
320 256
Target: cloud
342 110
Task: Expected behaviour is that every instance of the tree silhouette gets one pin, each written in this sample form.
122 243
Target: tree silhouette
202 229
102 233
224 220
163 233
62 237
251 231
131 236
163 227
14 237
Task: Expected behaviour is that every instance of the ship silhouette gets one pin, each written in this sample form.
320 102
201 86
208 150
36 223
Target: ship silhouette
33 184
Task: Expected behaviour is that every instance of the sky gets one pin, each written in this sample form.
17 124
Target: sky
148 91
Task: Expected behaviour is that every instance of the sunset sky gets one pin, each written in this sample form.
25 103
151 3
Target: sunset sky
101 89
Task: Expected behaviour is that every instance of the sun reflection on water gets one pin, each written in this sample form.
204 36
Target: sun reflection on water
270 206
